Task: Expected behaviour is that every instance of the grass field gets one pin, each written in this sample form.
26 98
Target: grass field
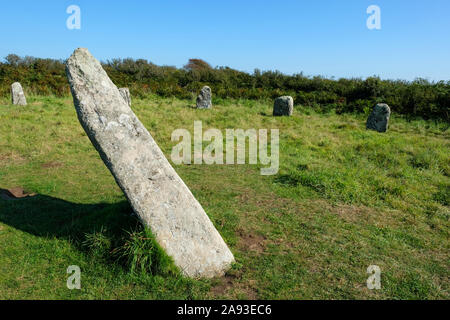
344 198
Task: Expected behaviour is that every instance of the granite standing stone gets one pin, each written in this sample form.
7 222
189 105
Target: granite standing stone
17 95
204 98
379 118
283 106
155 191
125 93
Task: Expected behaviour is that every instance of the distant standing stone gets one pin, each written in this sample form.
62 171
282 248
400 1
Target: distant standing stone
379 118
204 98
17 95
283 106
125 92
155 191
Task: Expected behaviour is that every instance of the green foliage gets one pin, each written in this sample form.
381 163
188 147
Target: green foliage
443 194
142 254
419 98
136 250
98 243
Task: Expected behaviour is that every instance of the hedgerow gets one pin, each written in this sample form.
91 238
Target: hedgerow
418 98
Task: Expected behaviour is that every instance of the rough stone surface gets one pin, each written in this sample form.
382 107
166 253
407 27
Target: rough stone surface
17 95
283 106
204 98
125 93
379 118
155 191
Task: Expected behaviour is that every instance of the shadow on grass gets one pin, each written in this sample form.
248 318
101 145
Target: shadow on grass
287 180
45 216
108 232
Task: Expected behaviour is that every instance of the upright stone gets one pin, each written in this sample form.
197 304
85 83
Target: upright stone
125 93
17 95
379 118
283 106
204 98
155 191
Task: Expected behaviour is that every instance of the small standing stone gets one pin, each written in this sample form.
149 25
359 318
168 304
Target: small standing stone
125 92
379 118
283 106
204 98
17 95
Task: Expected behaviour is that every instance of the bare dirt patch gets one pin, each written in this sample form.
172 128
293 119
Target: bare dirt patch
362 214
223 286
264 201
13 157
15 193
353 213
53 164
230 286
252 242
248 289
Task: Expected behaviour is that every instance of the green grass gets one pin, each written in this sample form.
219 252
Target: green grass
344 198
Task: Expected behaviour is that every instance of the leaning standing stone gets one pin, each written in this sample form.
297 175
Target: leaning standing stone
283 106
155 191
204 98
379 118
125 93
17 95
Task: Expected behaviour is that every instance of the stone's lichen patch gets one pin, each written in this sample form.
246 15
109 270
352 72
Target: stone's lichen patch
125 92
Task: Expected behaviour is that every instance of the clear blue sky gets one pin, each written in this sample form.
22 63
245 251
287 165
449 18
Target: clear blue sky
320 37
